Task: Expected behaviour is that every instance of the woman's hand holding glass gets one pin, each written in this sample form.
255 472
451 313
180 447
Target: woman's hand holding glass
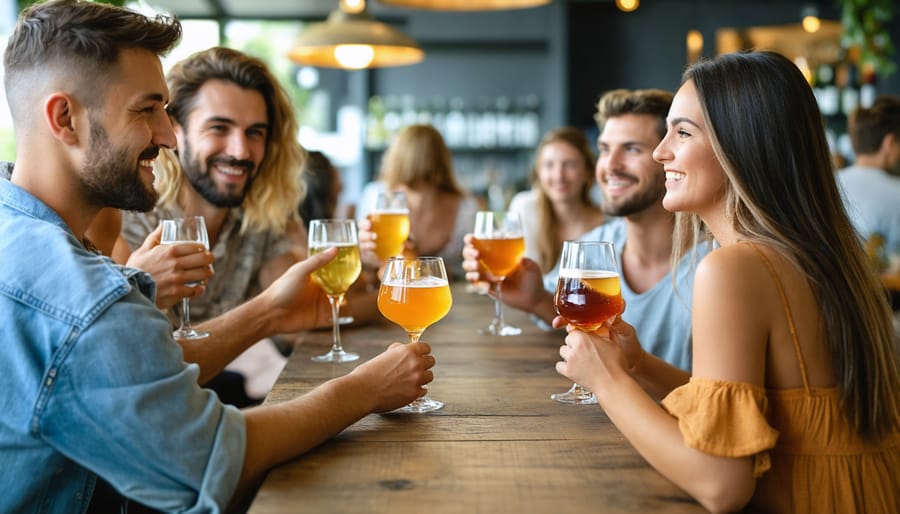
384 232
588 297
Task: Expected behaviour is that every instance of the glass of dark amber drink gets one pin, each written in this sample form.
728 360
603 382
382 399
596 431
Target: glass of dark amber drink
588 296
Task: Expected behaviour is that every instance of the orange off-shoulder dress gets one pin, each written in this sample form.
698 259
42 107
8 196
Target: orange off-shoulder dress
807 457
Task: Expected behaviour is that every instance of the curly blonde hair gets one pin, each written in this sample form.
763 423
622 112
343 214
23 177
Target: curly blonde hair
271 204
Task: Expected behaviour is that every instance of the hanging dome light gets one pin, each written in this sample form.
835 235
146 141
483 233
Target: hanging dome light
354 40
466 5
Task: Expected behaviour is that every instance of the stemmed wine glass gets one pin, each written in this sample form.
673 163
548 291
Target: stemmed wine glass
415 293
186 230
336 276
588 295
390 224
500 243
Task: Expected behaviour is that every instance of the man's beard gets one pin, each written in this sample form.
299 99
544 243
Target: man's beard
111 178
204 184
638 202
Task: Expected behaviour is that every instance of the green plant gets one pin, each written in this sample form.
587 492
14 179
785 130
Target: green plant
865 25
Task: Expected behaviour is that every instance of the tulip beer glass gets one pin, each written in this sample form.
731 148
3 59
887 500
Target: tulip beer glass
588 295
336 276
390 224
185 230
414 294
500 244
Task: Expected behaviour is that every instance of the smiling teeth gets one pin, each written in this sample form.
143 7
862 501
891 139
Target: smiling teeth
674 175
234 172
616 183
148 163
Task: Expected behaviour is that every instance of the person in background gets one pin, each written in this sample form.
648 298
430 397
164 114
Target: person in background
237 163
323 188
95 388
419 163
558 207
632 123
871 186
792 406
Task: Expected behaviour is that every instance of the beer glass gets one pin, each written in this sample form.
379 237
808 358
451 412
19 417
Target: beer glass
588 295
185 230
500 244
390 224
336 276
414 294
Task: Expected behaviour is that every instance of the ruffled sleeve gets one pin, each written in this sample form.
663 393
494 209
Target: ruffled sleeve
726 419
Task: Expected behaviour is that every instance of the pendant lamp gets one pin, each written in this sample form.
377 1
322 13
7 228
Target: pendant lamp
466 5
354 40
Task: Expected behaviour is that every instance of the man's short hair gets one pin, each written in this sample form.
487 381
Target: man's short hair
869 125
619 102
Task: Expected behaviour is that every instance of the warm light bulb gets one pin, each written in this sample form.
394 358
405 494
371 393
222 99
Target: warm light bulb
353 6
811 24
627 5
694 41
355 57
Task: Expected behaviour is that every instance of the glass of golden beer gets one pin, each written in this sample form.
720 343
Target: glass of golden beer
390 224
414 294
588 295
500 243
336 276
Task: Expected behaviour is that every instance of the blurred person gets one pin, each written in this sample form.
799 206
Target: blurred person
418 163
632 123
237 163
558 207
871 186
323 188
96 390
792 405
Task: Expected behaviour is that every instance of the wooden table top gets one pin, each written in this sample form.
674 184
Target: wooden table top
499 444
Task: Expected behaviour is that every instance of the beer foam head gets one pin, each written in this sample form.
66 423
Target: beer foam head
416 282
391 211
325 246
586 273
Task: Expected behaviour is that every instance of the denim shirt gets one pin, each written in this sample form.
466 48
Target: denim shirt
661 315
93 383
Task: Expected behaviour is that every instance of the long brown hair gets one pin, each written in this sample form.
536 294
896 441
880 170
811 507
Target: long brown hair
278 187
419 156
768 134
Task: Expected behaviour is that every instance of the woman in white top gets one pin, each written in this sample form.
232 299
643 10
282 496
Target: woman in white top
558 207
419 163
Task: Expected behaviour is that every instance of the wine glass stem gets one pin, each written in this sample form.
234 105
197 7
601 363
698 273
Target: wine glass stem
498 303
335 302
185 314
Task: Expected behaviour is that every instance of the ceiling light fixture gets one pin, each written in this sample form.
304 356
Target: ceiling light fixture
466 5
351 39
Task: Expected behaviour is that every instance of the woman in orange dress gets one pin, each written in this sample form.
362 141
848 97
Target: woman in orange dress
794 401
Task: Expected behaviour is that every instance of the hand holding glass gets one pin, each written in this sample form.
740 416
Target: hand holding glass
414 294
588 295
185 230
500 244
336 276
390 224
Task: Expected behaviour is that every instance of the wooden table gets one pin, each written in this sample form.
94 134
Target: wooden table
498 445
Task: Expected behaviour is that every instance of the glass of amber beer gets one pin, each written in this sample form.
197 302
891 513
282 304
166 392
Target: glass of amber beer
390 224
500 243
588 295
414 294
336 276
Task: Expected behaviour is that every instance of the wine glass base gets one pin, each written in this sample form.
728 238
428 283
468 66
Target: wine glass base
576 395
496 329
189 333
334 356
419 405
345 320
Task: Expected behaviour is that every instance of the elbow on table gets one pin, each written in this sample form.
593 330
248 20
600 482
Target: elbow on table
723 496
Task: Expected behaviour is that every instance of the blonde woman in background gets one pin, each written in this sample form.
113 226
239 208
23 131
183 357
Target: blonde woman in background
558 207
419 164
